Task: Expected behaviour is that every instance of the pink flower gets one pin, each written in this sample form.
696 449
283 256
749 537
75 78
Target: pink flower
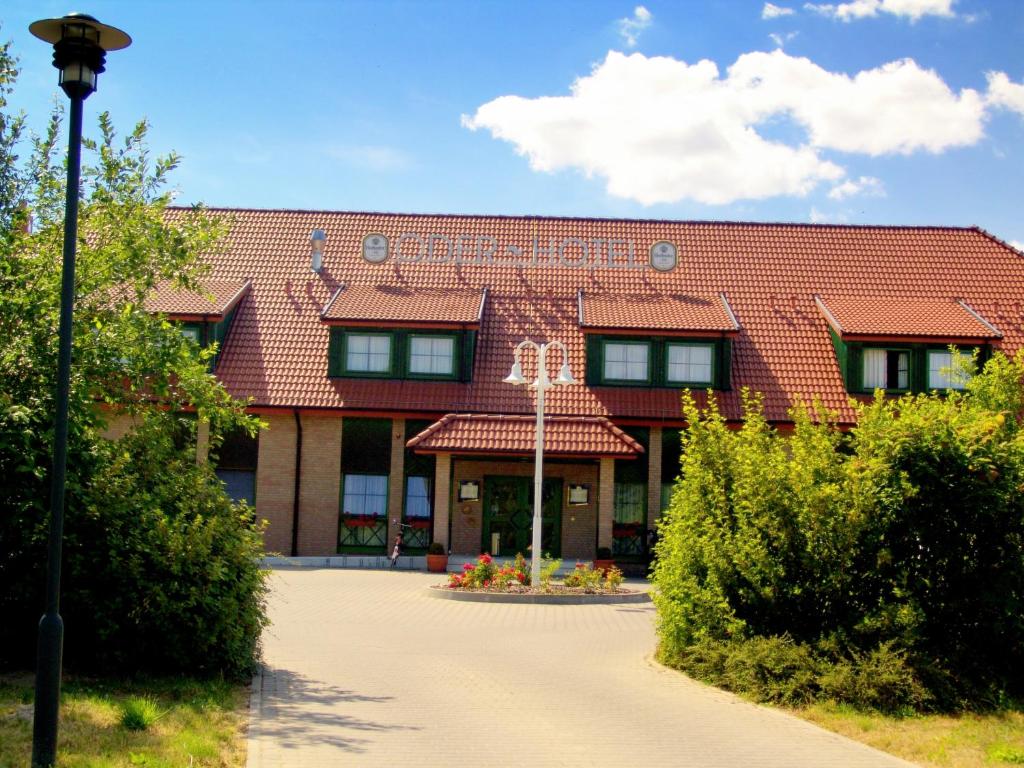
485 558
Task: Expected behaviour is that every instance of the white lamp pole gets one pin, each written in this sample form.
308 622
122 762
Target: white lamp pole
542 383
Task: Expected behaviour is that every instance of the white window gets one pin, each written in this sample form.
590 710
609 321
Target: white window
689 363
417 497
367 353
625 361
886 369
432 355
366 495
940 373
190 332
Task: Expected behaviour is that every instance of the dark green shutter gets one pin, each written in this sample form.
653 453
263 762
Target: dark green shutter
334 352
723 367
854 368
592 364
467 350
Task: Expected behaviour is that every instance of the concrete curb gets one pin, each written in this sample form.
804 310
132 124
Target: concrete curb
252 732
443 593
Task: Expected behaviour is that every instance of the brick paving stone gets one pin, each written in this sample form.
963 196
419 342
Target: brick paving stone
362 668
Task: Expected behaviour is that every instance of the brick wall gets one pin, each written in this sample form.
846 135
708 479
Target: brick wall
320 492
654 478
606 503
275 481
396 481
578 523
442 497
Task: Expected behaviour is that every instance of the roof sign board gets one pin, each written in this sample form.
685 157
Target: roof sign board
565 252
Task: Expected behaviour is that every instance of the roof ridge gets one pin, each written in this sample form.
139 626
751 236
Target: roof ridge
549 217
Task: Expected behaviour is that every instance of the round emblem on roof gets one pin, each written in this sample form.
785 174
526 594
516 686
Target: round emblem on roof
663 256
375 248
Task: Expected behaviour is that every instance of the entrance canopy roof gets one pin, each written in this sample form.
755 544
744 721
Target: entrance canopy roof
576 436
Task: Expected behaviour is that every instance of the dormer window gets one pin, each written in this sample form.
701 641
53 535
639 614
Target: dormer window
903 345
658 340
381 331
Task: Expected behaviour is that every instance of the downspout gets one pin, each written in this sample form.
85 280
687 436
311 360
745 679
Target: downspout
298 484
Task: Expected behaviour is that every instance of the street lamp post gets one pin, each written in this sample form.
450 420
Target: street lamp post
542 383
79 44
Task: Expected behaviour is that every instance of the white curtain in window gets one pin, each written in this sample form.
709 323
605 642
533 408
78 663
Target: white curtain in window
874 369
689 363
431 355
625 362
368 353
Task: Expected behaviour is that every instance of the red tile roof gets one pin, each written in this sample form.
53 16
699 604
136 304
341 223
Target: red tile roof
403 305
276 352
214 299
563 435
655 312
886 316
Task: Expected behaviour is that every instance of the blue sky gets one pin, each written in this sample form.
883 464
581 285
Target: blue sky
870 111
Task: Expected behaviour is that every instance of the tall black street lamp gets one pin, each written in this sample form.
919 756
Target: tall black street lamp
80 44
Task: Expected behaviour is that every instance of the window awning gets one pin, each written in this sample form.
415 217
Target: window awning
481 434
213 300
389 305
905 319
667 314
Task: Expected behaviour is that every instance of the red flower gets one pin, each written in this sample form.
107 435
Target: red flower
468 566
485 559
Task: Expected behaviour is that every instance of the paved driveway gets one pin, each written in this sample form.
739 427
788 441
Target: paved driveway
363 669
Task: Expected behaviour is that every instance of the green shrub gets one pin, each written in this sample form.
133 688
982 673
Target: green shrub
896 551
881 680
162 571
436 548
138 713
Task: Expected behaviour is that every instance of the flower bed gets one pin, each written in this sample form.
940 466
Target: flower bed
513 577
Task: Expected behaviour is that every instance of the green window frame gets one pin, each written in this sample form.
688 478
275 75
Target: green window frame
688 364
659 352
370 353
626 349
415 351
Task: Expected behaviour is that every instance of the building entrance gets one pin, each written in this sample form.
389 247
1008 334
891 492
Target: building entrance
508 515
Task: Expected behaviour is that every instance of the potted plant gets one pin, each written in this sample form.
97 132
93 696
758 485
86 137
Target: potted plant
437 558
604 560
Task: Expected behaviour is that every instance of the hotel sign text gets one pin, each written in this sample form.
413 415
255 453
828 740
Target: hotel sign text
566 252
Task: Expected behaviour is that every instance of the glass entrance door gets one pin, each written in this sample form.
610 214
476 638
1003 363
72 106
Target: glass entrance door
508 515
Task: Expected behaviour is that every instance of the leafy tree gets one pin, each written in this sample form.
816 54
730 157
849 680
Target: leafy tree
124 360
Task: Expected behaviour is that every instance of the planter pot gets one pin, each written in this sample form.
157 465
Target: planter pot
437 563
603 565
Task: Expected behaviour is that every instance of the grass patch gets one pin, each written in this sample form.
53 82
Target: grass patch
970 740
111 723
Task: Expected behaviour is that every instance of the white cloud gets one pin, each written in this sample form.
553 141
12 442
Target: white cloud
820 217
771 11
780 39
865 185
371 156
863 9
1003 92
1018 244
631 27
659 130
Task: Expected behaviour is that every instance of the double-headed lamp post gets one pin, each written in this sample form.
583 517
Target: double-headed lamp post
79 44
542 383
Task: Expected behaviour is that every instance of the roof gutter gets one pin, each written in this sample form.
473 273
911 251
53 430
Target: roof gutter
298 483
